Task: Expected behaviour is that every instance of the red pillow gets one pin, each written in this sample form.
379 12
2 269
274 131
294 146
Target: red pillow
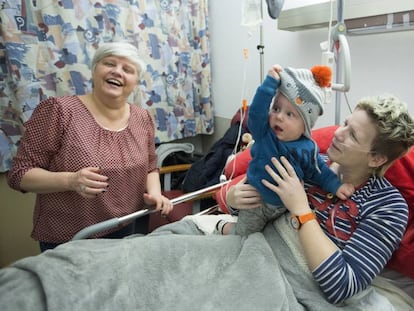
401 175
323 137
238 165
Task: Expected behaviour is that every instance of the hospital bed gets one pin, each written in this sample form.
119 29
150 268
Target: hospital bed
181 266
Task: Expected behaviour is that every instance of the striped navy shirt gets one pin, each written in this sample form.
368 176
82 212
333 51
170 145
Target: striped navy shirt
367 229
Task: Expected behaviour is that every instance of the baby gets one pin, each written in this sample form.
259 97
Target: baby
296 97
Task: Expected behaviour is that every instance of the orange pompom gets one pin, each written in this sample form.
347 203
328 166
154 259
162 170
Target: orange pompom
322 75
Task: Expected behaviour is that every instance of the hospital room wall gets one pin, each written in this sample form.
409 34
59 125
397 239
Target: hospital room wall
380 63
15 224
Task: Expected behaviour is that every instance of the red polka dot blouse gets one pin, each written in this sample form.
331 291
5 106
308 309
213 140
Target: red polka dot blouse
62 135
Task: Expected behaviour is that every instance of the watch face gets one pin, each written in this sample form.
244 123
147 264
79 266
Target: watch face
294 222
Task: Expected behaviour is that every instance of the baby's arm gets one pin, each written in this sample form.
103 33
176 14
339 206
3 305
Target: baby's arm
329 181
345 191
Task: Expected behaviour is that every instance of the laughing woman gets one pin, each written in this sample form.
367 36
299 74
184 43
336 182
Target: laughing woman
90 158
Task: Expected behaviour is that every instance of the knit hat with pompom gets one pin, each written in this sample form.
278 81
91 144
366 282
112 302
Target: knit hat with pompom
305 89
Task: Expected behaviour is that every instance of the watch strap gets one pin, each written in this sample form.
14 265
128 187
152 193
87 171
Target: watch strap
306 217
298 221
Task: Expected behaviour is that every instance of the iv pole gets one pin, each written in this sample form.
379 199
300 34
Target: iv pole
343 63
260 46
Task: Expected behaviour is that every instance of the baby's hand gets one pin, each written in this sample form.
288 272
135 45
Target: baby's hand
345 191
274 71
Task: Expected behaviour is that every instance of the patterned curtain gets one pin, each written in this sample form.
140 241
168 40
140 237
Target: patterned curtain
46 47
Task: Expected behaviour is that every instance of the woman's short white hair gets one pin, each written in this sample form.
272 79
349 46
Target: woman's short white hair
120 49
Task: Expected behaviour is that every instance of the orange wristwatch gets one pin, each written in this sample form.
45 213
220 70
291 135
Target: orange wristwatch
297 221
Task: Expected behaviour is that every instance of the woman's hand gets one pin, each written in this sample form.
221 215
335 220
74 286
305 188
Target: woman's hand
288 187
89 182
160 203
317 247
243 196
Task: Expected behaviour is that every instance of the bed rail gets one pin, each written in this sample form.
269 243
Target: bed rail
114 222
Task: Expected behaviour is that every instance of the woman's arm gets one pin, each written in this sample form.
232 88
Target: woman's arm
316 245
39 180
88 182
42 142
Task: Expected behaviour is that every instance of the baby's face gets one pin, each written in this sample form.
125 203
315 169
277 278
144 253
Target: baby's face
285 120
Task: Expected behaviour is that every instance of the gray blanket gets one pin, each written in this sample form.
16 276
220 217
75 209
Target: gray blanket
174 268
